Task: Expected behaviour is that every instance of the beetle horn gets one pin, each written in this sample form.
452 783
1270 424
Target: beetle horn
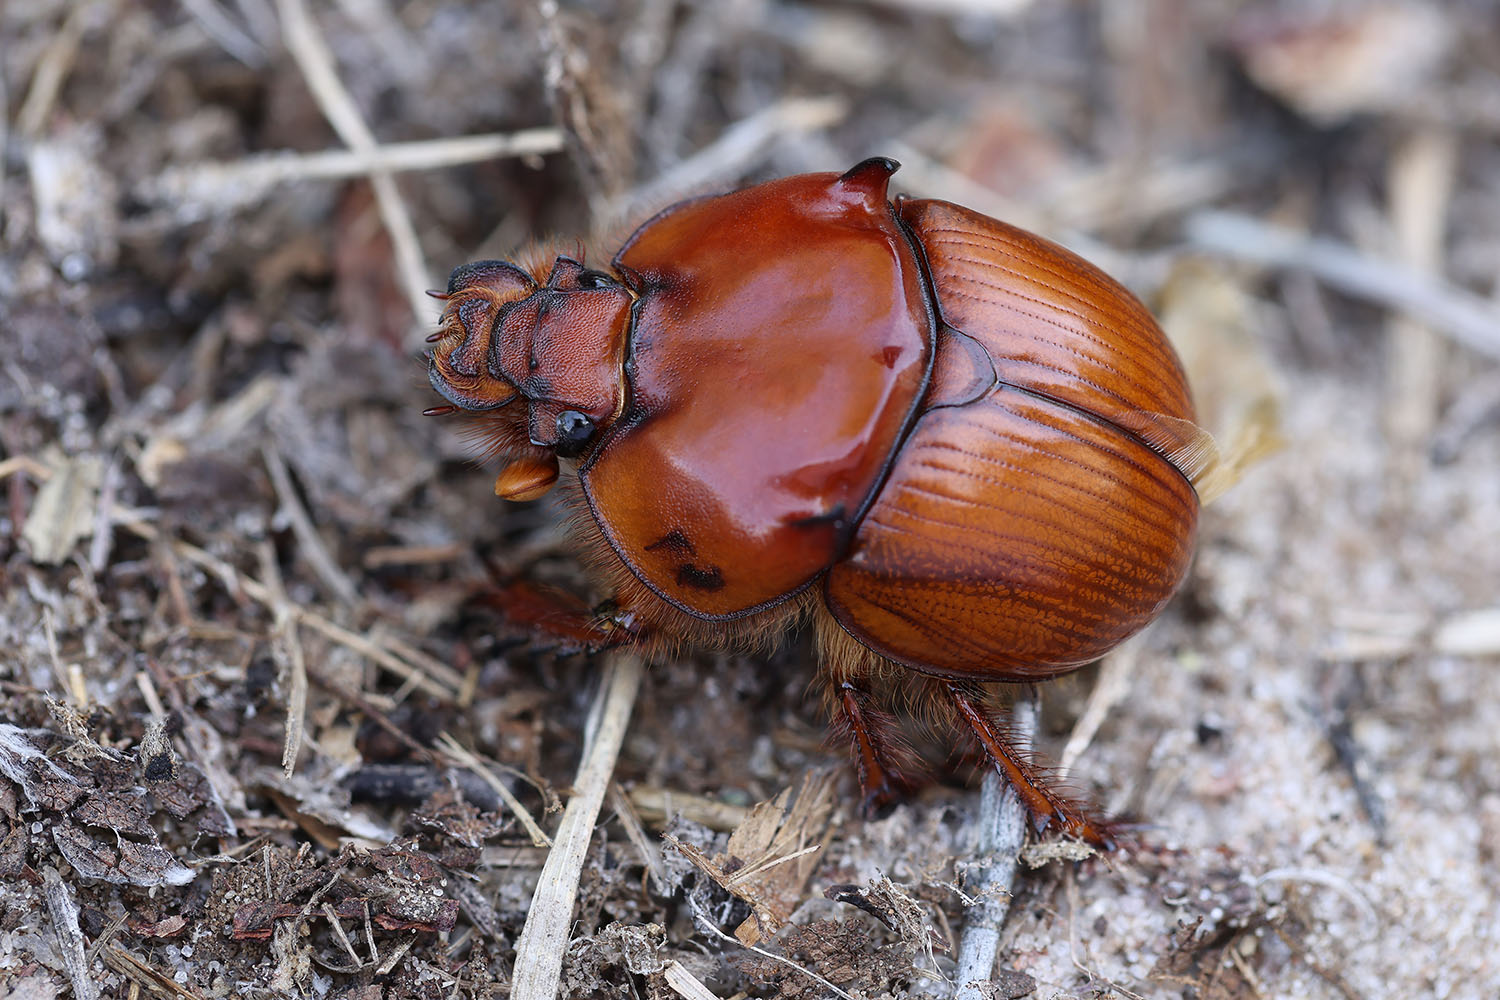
870 177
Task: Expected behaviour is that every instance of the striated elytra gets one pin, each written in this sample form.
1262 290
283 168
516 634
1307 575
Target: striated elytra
951 445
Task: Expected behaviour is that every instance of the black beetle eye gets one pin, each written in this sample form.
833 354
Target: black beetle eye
596 279
574 430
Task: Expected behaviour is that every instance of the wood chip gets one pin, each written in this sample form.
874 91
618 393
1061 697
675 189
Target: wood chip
64 914
685 984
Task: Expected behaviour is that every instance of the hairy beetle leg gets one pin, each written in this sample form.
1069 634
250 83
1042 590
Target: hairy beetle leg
559 620
885 762
1017 766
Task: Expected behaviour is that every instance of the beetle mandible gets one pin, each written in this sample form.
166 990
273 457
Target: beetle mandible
954 447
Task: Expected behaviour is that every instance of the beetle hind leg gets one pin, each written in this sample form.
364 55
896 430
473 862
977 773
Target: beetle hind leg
1031 781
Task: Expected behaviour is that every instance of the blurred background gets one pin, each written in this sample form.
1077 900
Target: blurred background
225 520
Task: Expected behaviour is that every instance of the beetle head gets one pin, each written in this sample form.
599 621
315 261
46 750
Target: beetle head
542 360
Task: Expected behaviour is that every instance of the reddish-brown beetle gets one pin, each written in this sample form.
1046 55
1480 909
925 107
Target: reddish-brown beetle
954 446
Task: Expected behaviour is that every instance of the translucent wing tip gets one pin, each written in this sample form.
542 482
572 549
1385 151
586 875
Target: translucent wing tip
1193 451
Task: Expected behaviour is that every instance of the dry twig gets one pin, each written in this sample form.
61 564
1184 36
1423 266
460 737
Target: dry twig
221 28
311 542
728 156
142 974
52 68
1465 317
1109 690
544 939
703 923
1421 185
216 186
658 805
466 757
64 914
1380 635
294 664
636 834
1002 833
316 62
1000 9
685 984
429 681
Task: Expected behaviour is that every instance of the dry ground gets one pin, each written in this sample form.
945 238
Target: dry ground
228 537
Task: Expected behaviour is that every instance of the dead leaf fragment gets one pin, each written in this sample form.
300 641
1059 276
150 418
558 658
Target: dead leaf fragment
1345 61
771 855
63 514
123 862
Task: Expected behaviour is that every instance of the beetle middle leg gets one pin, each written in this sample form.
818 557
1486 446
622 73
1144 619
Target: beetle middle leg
887 765
1016 764
856 686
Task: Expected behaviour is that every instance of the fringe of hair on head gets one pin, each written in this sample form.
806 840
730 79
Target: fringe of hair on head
537 258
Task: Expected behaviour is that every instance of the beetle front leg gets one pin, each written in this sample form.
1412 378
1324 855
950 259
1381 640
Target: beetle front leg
1016 764
567 623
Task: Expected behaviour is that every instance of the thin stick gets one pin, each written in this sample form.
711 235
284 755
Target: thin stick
230 37
55 655
1317 876
53 68
703 923
658 805
235 581
636 834
142 974
998 9
25 463
1111 688
4 139
316 62
466 757
685 984
1002 833
313 549
1462 315
740 143
1420 186
240 182
290 645
544 939
382 556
